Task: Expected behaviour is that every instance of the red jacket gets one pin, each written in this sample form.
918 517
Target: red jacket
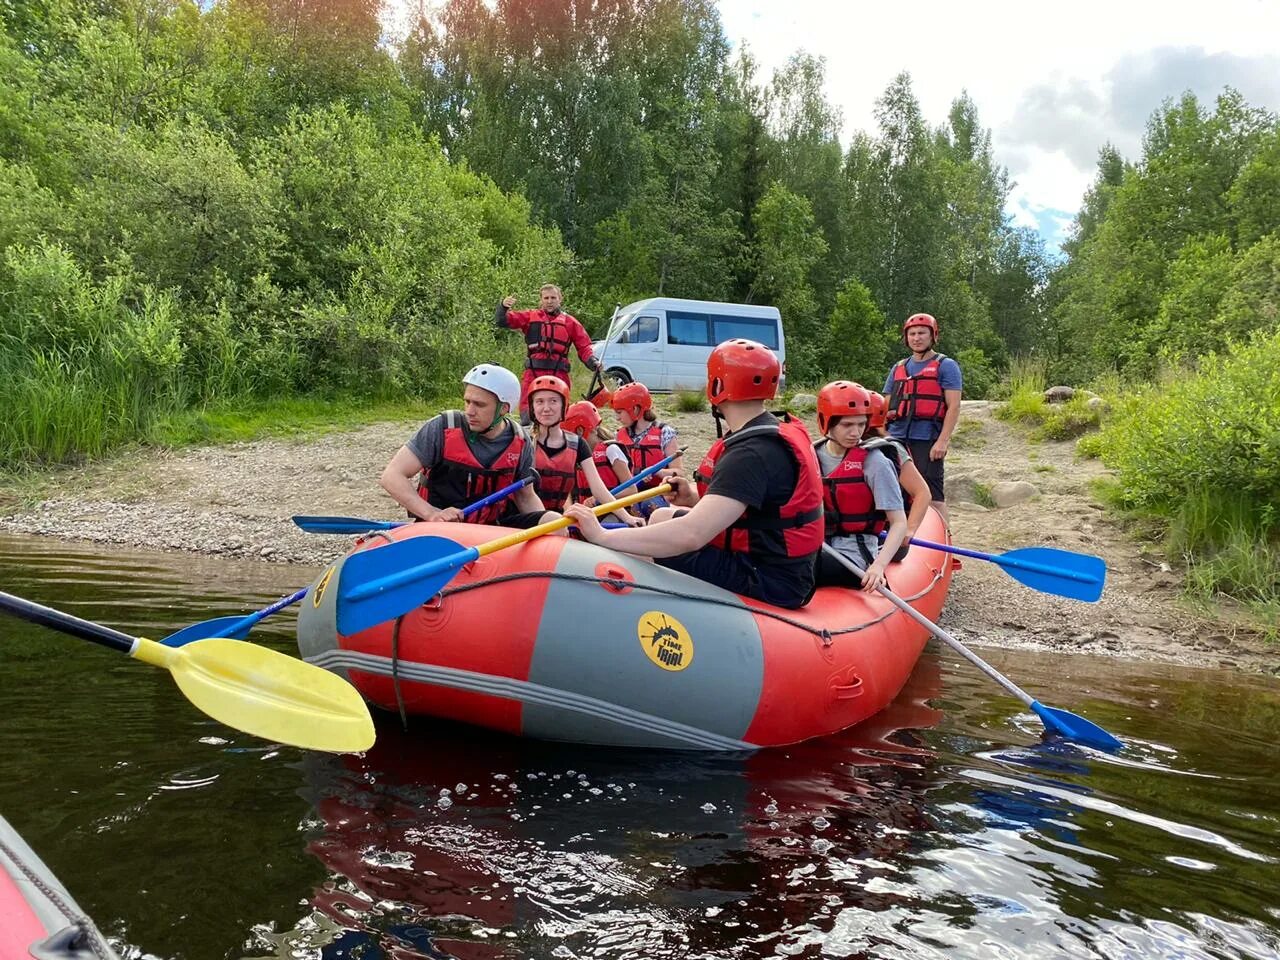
549 339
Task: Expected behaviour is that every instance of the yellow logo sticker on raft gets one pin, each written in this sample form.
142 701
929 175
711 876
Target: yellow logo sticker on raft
664 640
318 593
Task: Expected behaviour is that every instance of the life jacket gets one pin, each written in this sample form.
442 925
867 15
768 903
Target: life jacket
799 520
548 342
848 503
557 472
643 451
896 454
459 479
918 397
603 467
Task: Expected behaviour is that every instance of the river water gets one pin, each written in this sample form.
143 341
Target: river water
945 827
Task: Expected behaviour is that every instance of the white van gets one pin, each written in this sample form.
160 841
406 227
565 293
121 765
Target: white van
664 342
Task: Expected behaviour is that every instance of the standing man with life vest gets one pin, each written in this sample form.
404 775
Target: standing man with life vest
754 521
861 494
924 402
461 456
549 334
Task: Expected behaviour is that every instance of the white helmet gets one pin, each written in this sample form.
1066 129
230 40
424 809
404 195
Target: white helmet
499 381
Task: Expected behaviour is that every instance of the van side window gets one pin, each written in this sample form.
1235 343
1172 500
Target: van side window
688 329
761 329
644 330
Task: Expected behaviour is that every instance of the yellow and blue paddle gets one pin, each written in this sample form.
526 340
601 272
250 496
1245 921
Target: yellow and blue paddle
381 584
357 525
245 686
238 627
1077 576
1061 722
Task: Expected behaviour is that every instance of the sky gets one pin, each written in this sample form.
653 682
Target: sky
1053 82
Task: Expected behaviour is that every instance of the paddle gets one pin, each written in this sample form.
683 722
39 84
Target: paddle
243 685
381 584
1057 721
354 525
1078 576
238 627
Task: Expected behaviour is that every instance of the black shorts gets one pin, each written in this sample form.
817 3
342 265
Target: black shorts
931 470
733 571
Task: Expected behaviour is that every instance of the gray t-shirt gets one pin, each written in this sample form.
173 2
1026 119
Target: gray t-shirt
428 444
885 492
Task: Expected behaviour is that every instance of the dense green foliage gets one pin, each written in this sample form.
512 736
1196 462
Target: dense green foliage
1201 453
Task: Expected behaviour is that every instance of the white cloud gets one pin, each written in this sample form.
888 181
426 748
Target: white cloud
1053 83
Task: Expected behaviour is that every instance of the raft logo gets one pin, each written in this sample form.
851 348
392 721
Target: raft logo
318 593
664 640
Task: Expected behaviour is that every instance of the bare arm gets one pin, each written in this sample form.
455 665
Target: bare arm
678 535
397 480
527 500
600 492
939 448
874 577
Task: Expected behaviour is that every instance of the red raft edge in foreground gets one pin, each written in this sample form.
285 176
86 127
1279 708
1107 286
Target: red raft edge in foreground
561 640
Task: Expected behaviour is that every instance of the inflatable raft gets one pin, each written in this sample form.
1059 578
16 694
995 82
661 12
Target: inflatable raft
562 640
38 918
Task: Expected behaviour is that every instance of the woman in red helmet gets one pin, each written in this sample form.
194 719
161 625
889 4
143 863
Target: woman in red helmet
861 495
753 523
643 437
560 455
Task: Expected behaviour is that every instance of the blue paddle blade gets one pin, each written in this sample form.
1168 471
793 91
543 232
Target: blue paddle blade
1079 576
382 583
218 627
344 525
1073 727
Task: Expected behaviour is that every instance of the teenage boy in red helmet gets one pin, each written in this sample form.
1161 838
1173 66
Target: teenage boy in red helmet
924 402
753 523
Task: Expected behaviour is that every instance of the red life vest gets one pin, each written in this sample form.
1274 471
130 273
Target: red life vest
918 397
548 340
459 479
603 467
799 519
643 451
847 500
557 472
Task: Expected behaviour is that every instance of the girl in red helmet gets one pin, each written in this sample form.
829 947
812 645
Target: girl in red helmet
753 522
583 420
643 437
560 455
861 495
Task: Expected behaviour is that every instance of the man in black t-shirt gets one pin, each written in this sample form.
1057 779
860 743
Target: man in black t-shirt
753 522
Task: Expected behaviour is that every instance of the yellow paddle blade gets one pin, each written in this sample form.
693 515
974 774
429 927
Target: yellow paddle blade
266 693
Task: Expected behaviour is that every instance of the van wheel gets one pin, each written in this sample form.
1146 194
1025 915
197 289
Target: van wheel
619 377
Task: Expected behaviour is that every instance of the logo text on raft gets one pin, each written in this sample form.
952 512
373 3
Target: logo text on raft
665 640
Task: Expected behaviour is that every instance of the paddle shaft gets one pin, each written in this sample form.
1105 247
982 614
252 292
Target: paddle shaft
936 630
66 623
421 571
647 472
1027 565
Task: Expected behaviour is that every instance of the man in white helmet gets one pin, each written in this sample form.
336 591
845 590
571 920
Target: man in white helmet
461 456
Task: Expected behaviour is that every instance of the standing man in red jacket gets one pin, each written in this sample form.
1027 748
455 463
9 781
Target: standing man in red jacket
549 334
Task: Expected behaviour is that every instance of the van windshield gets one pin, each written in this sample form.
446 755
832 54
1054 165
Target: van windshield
618 324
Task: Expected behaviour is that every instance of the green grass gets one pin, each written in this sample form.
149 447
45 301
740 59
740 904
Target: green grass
690 401
982 496
231 422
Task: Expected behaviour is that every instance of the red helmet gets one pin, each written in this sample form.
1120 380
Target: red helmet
633 398
842 398
879 410
920 320
548 382
583 416
742 370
